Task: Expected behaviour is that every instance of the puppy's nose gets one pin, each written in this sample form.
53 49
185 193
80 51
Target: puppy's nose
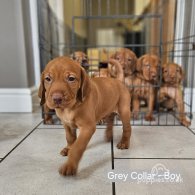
57 98
154 75
84 61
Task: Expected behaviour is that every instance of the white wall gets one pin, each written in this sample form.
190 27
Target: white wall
17 73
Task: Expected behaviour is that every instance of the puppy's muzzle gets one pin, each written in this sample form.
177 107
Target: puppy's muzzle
57 98
153 76
84 63
171 78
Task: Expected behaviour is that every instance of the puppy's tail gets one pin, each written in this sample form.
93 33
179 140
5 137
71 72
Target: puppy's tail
115 69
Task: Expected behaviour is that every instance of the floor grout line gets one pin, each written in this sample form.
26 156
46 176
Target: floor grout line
20 142
50 128
63 128
126 158
191 130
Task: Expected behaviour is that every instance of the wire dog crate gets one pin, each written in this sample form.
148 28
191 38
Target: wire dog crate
98 26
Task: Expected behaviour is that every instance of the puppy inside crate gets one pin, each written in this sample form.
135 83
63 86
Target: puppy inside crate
141 76
170 95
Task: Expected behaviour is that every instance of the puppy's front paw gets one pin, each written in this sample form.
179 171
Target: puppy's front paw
135 116
123 145
149 118
68 169
49 121
185 122
64 151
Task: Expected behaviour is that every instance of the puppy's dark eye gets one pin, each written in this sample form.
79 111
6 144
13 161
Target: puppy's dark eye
165 71
178 70
71 78
48 79
117 58
129 59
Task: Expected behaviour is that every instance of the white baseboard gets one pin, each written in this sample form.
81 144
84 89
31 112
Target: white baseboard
17 100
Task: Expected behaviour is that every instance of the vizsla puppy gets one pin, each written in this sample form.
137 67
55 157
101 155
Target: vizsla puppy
82 59
127 60
170 94
80 102
146 77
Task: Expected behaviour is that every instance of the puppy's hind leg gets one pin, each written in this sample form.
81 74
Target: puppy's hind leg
109 128
124 112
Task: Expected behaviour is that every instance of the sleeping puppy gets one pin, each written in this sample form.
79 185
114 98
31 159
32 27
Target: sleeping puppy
66 87
170 94
81 58
146 77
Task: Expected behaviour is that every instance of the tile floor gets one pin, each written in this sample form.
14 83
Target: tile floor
29 155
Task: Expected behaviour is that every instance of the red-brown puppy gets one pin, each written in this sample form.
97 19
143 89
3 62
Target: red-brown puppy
80 102
146 77
82 59
127 60
170 94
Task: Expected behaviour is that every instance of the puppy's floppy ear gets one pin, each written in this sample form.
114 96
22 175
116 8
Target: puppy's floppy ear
84 86
158 62
139 64
163 67
41 92
135 61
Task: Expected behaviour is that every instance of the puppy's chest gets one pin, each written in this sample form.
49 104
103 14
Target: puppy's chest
171 92
67 117
142 89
